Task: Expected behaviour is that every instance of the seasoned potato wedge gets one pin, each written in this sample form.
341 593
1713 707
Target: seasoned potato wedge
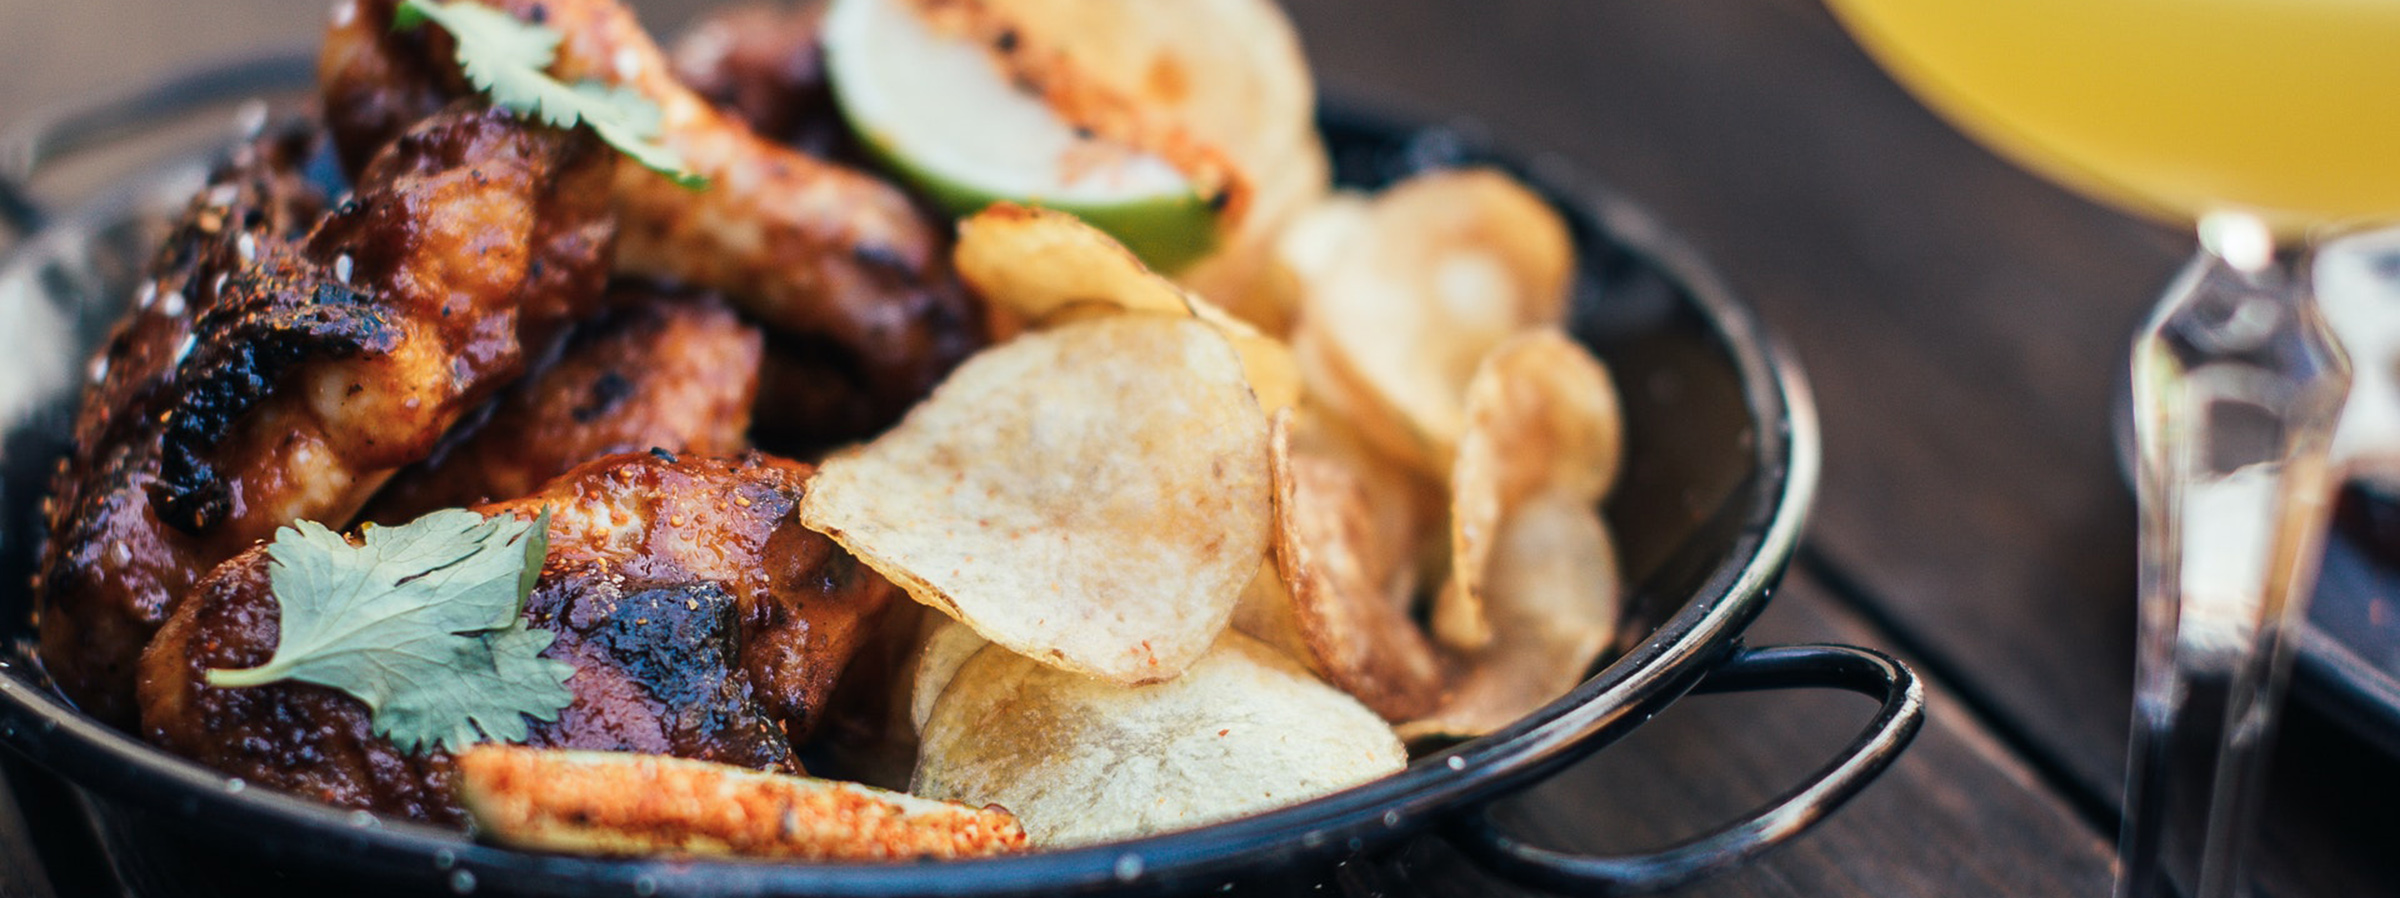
619 804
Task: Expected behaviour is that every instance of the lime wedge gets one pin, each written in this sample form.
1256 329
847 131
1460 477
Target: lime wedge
938 111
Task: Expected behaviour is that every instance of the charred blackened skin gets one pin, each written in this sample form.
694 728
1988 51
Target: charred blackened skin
679 645
108 573
203 432
701 619
266 325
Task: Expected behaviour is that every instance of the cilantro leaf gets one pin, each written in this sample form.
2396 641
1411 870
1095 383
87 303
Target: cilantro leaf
422 622
505 59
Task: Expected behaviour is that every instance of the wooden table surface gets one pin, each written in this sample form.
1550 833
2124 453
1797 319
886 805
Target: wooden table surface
1962 323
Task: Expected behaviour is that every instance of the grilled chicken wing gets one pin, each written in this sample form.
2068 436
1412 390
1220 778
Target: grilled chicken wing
807 246
270 379
110 568
703 621
660 369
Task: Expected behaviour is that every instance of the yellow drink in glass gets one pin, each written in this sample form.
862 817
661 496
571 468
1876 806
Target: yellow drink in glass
2285 109
2256 119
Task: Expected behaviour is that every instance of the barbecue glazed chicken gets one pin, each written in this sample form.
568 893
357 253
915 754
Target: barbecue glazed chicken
701 619
657 369
810 247
277 372
446 333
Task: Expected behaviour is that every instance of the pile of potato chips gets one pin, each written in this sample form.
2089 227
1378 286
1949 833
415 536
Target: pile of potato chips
1180 559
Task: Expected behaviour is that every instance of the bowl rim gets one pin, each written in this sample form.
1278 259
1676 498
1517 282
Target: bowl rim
1704 629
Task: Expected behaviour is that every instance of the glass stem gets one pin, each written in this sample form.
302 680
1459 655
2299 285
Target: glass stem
2236 388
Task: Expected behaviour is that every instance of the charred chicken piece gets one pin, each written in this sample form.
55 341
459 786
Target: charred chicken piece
307 371
761 63
659 369
703 622
110 568
807 246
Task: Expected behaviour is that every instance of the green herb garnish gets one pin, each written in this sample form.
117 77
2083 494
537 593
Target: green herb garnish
507 59
422 622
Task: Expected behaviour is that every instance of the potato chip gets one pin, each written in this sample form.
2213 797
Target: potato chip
1322 234
1051 268
1541 417
1448 265
1038 263
1346 552
951 644
1264 613
1242 275
1082 761
1094 495
1554 600
1267 362
621 804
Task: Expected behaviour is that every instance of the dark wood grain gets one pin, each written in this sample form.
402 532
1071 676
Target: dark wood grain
1957 815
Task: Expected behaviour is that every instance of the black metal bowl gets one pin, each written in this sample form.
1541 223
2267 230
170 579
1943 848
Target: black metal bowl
1721 461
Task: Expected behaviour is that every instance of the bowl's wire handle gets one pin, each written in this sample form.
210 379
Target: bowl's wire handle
27 147
1778 667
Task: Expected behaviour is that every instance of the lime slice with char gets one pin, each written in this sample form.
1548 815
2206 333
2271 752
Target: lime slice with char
937 110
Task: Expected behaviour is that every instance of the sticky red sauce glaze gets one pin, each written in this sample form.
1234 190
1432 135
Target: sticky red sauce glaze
808 246
109 569
675 370
703 622
306 369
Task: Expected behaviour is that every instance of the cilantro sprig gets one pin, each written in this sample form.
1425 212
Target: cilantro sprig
422 622
508 60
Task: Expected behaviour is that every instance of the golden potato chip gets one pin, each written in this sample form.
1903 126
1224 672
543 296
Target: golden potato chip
619 804
1038 262
1082 761
1347 556
1051 268
951 644
1264 613
1448 265
1094 495
1322 234
1541 417
1267 362
1554 600
1242 275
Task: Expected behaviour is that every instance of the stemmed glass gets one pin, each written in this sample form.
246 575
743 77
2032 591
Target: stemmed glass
2263 122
